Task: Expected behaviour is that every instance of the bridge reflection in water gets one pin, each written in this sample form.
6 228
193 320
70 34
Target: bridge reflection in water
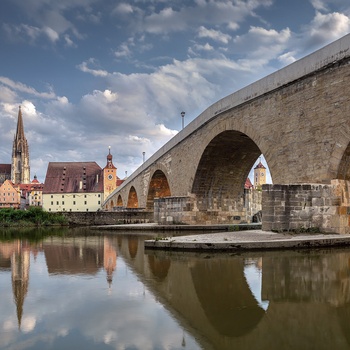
270 300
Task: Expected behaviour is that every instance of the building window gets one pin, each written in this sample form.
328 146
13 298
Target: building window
49 209
84 195
73 202
85 202
57 203
62 195
51 202
63 203
73 195
52 196
99 195
99 202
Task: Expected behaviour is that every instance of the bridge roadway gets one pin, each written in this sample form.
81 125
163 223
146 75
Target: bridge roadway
297 117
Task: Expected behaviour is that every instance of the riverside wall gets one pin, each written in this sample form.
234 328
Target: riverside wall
109 218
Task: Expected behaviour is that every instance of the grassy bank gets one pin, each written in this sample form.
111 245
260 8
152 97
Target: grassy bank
34 216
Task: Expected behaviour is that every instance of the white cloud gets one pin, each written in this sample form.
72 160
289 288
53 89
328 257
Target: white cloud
262 44
205 47
17 86
7 94
124 8
319 5
123 51
287 58
51 34
215 35
95 72
328 27
69 41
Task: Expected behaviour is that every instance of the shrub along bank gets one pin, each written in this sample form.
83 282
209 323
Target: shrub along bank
33 216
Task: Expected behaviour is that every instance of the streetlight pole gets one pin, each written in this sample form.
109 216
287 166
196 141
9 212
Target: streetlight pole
143 156
183 119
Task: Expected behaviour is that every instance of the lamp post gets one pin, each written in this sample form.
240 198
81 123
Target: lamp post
143 156
183 119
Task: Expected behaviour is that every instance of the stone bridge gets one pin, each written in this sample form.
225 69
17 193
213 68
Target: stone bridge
297 117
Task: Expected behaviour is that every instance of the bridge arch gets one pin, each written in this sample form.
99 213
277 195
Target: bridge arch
223 169
133 201
158 187
343 171
119 201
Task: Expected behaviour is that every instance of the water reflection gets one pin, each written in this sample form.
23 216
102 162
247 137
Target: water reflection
105 291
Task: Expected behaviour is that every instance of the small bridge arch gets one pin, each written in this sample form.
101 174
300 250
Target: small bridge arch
119 201
158 188
133 201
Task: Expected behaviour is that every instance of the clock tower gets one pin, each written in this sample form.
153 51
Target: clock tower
109 176
259 175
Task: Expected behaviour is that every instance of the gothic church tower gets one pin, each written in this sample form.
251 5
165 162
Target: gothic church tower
20 170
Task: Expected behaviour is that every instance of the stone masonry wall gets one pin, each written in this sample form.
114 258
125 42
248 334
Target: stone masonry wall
307 207
108 218
183 210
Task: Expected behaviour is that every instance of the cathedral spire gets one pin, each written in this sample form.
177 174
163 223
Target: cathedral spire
20 129
20 170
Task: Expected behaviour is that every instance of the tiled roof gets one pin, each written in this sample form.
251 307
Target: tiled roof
119 181
260 166
73 177
248 184
5 168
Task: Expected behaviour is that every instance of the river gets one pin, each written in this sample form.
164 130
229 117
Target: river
82 289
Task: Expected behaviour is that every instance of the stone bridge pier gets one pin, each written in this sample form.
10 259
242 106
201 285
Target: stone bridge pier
297 117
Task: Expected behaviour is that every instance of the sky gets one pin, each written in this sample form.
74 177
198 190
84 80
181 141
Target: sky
90 74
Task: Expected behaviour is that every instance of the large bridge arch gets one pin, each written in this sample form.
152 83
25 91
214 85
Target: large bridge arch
223 170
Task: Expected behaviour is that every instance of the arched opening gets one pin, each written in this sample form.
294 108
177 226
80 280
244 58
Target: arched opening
223 170
158 188
133 201
119 201
112 204
344 165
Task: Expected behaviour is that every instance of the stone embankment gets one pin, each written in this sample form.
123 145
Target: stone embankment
248 240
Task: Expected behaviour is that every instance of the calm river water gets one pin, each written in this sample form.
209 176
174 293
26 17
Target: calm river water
92 290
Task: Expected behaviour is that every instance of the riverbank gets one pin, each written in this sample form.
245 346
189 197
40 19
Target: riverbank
32 217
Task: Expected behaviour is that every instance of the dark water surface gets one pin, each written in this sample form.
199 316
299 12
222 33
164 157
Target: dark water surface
91 290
